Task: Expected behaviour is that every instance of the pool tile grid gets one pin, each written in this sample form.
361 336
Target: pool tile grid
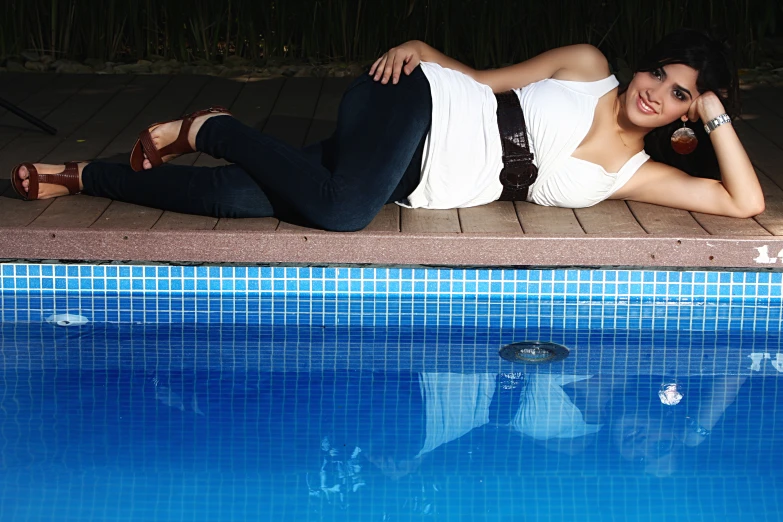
385 311
604 299
392 281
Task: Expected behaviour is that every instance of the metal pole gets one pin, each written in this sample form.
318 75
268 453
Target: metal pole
27 116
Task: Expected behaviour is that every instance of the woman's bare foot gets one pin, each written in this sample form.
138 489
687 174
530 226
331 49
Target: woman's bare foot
167 133
48 190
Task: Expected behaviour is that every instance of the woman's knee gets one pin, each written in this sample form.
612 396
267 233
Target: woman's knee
353 225
344 218
233 193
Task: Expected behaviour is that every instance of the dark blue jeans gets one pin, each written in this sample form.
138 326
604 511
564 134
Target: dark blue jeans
373 158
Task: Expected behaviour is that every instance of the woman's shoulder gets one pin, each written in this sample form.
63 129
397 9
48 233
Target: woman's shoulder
590 76
595 88
587 65
580 62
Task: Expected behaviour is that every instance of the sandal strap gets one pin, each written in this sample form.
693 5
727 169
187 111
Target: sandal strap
68 178
181 144
32 179
153 154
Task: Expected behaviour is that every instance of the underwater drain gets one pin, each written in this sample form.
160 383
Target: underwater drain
534 352
67 320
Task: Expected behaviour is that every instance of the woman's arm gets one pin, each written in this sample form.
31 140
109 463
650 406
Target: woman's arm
724 391
430 54
581 62
569 446
406 57
738 194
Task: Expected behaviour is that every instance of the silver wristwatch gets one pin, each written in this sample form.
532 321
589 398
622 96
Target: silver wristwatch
716 122
698 428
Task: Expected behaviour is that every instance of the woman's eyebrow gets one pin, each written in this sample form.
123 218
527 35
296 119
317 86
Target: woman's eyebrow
683 89
686 91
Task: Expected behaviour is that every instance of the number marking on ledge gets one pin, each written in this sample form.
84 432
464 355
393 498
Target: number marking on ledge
763 257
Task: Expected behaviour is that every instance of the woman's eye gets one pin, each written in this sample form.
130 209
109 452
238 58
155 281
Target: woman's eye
657 73
679 95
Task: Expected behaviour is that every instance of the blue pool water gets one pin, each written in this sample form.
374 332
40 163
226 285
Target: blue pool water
232 393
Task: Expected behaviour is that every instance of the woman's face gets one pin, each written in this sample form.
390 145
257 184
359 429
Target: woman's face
652 442
639 437
657 98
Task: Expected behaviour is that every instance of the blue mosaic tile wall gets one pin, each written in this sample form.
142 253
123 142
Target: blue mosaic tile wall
417 313
615 299
583 284
590 299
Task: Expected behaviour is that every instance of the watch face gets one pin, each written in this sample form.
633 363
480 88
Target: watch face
716 122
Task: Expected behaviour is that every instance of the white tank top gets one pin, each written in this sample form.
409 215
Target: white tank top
455 404
548 412
558 115
463 154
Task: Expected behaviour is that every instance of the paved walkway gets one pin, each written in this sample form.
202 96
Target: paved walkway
98 116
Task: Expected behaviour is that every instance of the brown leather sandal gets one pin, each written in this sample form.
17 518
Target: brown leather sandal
144 145
68 178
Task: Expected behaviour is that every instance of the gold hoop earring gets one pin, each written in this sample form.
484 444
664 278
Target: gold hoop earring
684 140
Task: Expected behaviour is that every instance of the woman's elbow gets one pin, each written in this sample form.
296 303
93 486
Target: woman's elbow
749 211
758 210
758 206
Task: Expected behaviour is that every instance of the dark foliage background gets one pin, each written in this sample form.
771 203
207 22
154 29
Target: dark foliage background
483 33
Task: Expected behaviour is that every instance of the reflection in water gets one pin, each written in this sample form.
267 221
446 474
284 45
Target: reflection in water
340 475
387 443
167 396
670 393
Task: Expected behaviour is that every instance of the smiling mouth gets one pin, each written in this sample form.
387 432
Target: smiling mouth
643 106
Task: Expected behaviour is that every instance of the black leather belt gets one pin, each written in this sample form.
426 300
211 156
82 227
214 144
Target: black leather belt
518 170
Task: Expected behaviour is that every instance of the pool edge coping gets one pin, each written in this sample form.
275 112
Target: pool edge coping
392 249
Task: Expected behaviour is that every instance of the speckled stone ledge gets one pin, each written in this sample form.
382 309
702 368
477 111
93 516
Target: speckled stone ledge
384 248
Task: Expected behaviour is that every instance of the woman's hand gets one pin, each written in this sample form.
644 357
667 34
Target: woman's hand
395 469
705 107
391 63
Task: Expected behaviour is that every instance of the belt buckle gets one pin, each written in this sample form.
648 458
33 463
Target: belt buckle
518 175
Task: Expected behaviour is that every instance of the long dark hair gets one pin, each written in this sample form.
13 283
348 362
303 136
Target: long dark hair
712 59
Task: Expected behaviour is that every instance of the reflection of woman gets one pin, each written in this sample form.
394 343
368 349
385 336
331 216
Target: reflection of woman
645 435
548 412
562 413
432 140
404 423
452 404
540 407
568 414
455 404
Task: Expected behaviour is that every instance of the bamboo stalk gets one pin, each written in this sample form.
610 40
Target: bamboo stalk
482 32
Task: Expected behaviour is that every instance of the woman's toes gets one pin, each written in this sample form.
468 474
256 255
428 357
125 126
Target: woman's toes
147 164
23 174
26 184
165 133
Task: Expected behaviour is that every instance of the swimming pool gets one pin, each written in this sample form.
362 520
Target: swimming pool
291 393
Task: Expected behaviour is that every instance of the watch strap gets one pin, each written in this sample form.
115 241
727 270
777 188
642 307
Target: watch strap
717 122
698 428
